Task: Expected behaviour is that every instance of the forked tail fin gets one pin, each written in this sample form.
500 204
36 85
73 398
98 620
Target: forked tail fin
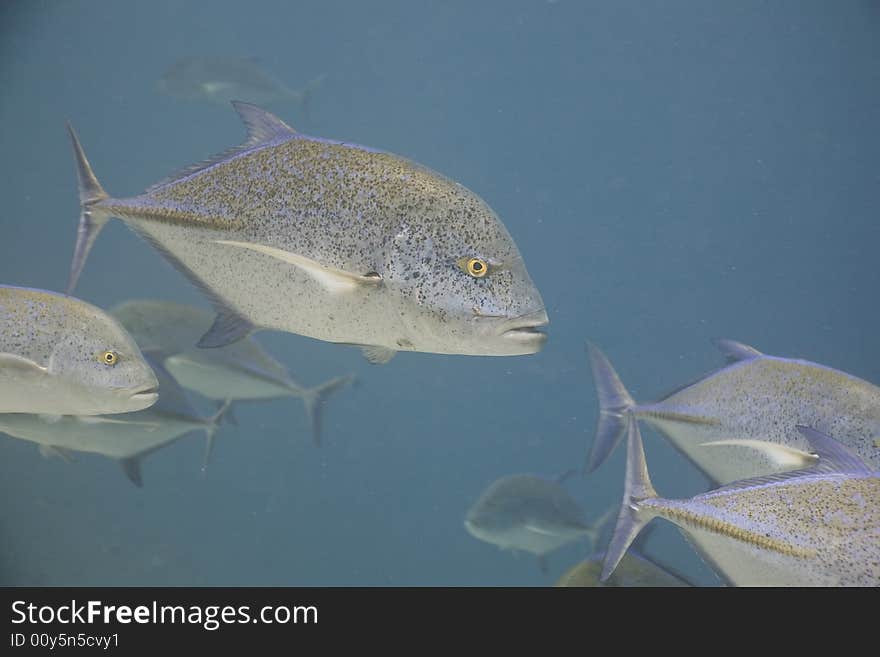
614 406
637 487
91 218
211 426
314 399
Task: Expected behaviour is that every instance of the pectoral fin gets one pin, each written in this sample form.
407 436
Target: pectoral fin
132 469
21 364
48 451
539 530
228 327
782 456
333 280
377 355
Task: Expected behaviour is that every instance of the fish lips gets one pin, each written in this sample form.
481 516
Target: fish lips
147 395
526 329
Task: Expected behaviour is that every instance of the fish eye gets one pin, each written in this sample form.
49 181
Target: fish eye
476 267
109 358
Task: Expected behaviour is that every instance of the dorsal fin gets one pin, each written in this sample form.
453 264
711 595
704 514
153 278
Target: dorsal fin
735 351
262 126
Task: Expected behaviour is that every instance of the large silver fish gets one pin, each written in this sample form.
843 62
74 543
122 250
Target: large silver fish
813 527
333 241
528 513
239 371
220 80
739 421
60 355
127 437
634 570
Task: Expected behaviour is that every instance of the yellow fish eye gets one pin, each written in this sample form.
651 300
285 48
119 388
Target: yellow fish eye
476 267
110 358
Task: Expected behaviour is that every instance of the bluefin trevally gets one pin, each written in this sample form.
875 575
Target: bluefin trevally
221 79
239 371
740 420
528 513
334 241
818 526
60 355
634 570
127 437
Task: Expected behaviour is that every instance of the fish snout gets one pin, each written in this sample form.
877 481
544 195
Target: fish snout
526 328
145 395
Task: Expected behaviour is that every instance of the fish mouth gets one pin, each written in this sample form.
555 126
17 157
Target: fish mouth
145 393
526 328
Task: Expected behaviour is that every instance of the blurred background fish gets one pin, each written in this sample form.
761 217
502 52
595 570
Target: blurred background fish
531 514
126 437
221 79
243 370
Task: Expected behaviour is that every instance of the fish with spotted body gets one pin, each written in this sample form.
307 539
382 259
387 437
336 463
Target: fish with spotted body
60 356
740 420
333 241
814 527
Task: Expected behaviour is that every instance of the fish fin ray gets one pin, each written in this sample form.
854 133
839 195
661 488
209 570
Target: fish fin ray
262 128
735 351
91 219
614 405
833 455
637 487
228 327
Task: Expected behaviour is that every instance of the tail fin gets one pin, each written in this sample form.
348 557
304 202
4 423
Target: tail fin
212 424
637 487
314 399
91 219
614 405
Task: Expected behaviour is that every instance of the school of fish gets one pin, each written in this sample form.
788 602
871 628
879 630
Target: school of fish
352 245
